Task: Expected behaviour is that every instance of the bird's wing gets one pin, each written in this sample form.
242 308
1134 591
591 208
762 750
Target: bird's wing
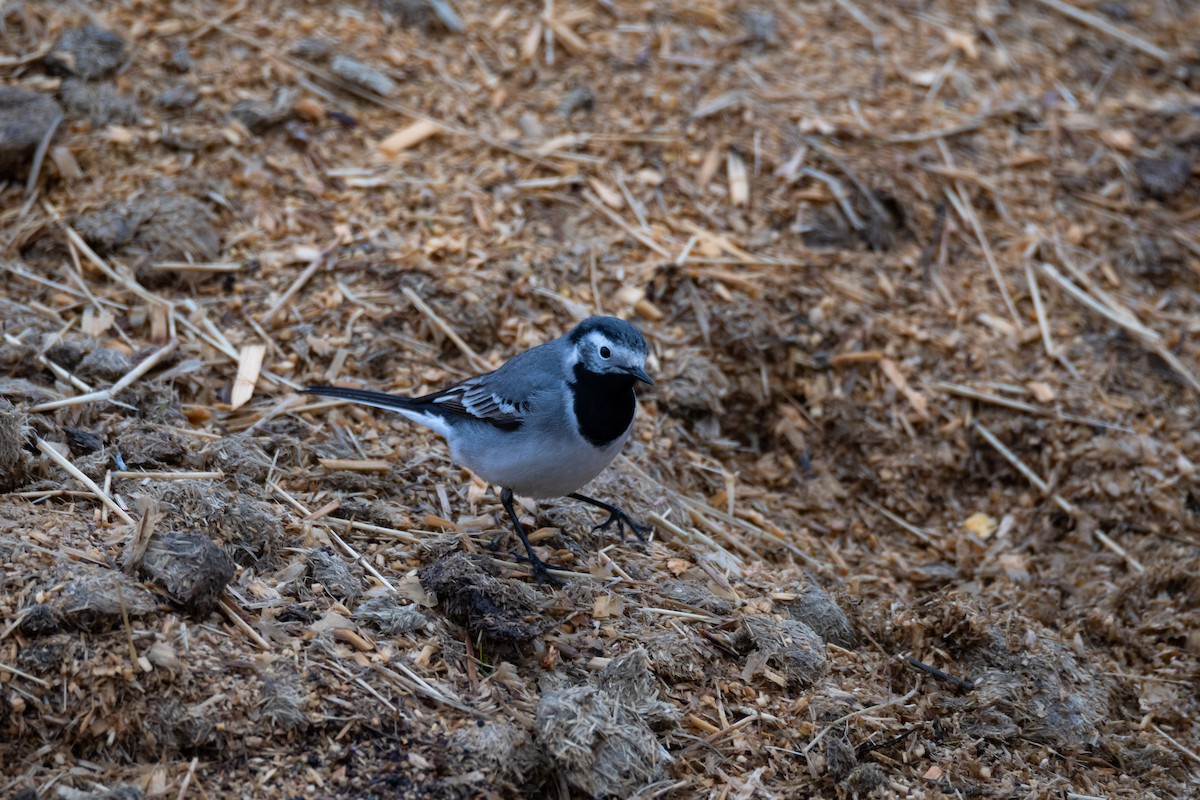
484 398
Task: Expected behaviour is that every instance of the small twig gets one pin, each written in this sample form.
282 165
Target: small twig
187 266
1117 314
476 360
870 747
937 673
519 570
688 615
39 156
1043 487
903 523
418 685
60 372
31 678
863 189
1016 405
229 607
1097 23
313 266
187 779
83 247
862 19
1039 310
124 383
209 25
1102 303
227 350
74 472
135 548
954 130
958 199
345 548
839 194
1192 754
639 235
163 475
847 717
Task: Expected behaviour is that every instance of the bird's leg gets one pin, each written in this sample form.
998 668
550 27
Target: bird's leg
615 515
541 572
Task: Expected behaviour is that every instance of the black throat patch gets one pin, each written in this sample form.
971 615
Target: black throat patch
604 405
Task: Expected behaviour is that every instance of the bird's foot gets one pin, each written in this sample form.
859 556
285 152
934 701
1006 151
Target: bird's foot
541 571
619 518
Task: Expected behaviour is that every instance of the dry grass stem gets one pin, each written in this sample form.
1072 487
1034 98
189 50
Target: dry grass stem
1058 500
322 260
52 453
477 361
1104 26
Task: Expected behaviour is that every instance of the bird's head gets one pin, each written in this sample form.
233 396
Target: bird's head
609 346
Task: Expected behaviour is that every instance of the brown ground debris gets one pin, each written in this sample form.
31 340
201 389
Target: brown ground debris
921 285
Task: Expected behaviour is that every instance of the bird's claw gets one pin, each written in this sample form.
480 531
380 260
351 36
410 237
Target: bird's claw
541 571
621 520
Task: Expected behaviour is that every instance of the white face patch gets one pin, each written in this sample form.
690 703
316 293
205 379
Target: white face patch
594 348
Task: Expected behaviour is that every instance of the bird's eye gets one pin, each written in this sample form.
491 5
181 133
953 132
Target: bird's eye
605 352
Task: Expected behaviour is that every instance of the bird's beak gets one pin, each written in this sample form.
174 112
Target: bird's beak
640 374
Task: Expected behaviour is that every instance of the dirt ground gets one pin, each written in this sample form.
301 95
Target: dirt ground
921 284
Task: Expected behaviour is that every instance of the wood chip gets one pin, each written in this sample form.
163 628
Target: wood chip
739 181
250 361
355 465
409 137
915 398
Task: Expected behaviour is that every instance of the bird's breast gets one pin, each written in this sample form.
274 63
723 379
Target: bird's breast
603 405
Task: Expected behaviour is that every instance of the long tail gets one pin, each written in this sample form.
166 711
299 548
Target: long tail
392 402
418 410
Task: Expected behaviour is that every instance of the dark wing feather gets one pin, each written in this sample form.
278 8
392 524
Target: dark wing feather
474 398
481 398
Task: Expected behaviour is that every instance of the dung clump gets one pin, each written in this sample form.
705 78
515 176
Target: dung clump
15 462
40 619
251 529
26 117
1042 705
674 659
1027 683
101 103
259 116
146 445
469 590
88 52
334 574
390 617
239 456
504 751
95 598
281 703
696 595
630 679
864 779
597 736
191 568
104 364
161 226
1165 176
817 609
789 646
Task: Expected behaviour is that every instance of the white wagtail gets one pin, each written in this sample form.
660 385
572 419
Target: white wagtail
543 424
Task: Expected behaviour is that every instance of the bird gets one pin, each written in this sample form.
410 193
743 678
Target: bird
543 424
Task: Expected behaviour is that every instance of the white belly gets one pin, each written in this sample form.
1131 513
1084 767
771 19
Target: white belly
549 467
